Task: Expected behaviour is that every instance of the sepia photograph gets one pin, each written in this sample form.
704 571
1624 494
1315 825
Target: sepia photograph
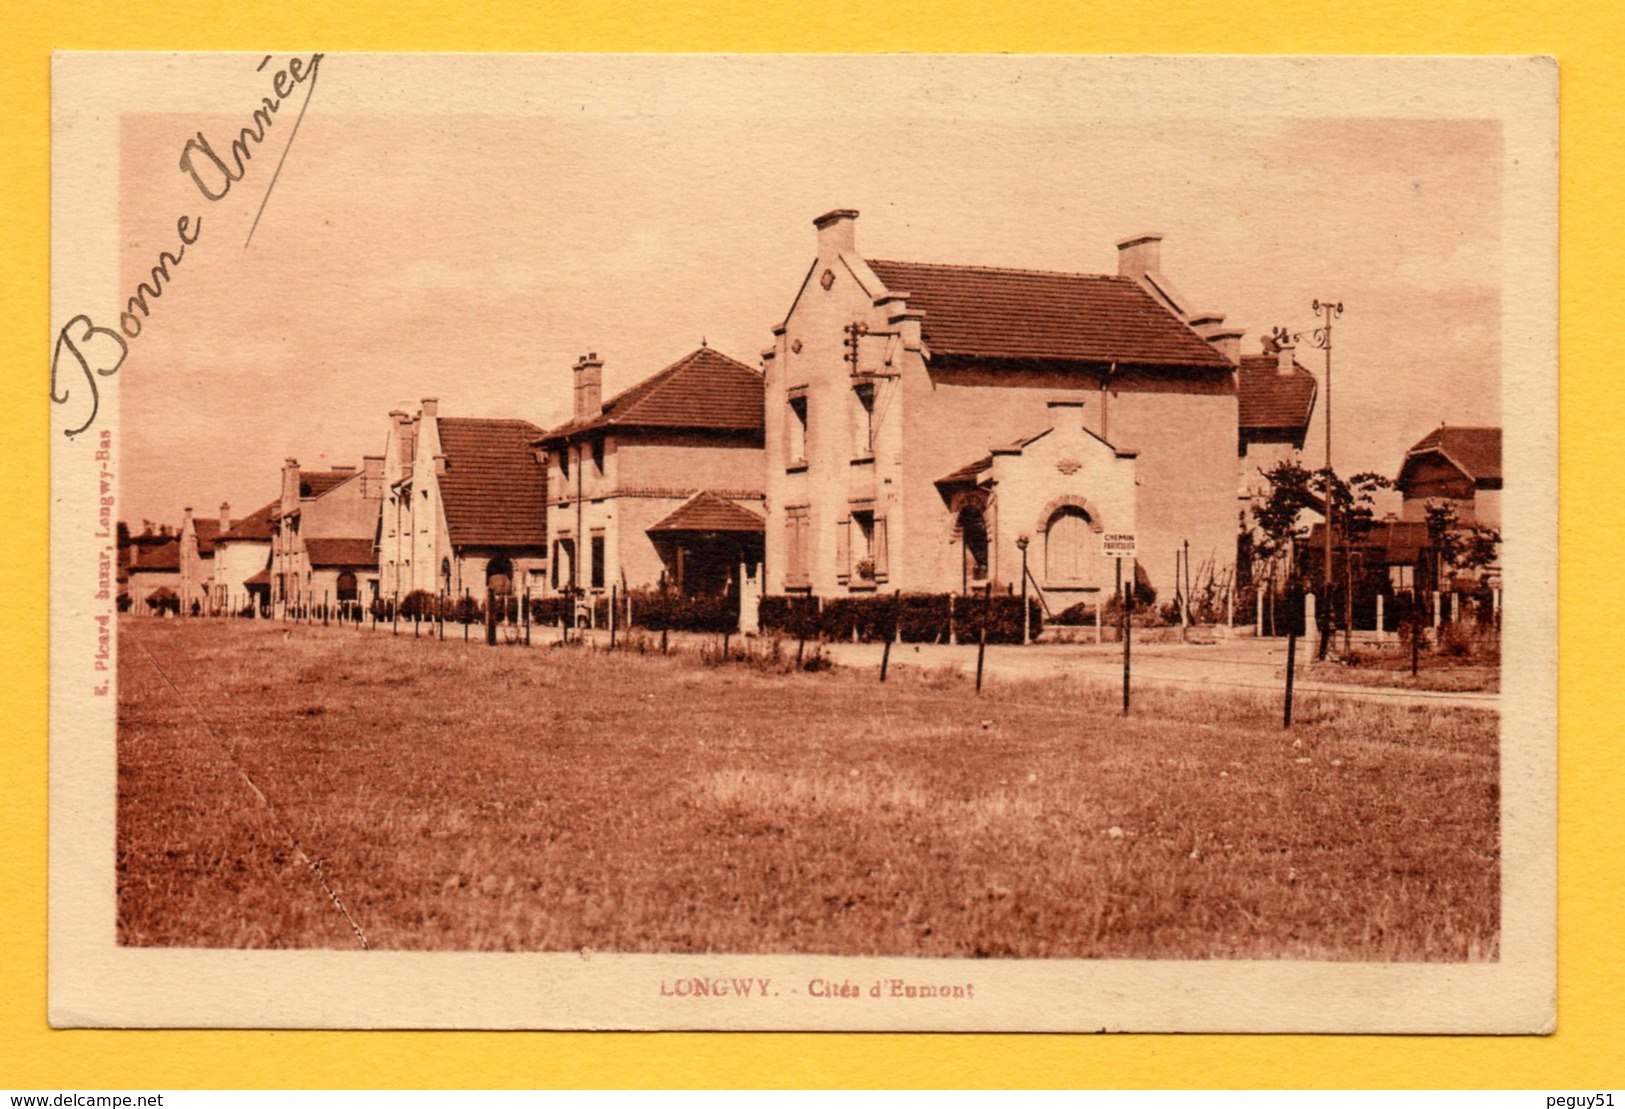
803 542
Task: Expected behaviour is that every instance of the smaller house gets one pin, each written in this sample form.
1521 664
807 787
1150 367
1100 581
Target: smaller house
1457 465
1275 397
242 561
153 577
322 537
197 591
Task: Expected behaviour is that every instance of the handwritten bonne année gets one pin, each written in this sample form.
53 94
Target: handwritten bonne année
100 351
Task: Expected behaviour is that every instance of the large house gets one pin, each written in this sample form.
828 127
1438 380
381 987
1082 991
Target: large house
661 484
465 507
925 419
322 537
1460 466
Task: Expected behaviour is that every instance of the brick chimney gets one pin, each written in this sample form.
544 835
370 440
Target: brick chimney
429 408
186 518
290 485
372 476
1065 413
225 517
837 232
589 387
1139 256
1283 357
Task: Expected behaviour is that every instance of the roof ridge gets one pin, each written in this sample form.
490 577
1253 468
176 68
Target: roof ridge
1114 277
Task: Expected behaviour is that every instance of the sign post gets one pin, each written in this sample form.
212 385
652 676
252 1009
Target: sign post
1120 545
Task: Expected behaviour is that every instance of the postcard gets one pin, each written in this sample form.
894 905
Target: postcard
803 542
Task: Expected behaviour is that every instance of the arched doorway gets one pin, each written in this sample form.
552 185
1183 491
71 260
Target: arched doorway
347 588
971 522
1071 548
499 576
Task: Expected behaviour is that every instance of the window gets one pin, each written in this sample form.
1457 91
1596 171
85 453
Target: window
1070 554
598 560
866 548
795 425
598 456
564 461
564 563
863 437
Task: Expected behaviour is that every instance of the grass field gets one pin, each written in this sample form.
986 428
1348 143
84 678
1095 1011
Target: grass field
457 796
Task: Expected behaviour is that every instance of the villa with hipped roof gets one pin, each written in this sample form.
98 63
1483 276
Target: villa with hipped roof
662 483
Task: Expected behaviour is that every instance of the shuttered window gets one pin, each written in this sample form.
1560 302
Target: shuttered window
797 526
879 549
843 551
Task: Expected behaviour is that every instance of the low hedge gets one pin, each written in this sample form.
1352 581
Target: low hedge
660 611
915 617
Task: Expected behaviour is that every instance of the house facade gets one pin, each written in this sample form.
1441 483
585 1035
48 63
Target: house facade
242 562
1456 465
152 576
464 507
662 483
323 535
921 419
197 561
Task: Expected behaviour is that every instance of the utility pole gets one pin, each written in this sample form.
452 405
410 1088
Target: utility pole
1321 338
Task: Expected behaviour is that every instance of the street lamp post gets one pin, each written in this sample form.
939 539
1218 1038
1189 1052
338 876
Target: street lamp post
1321 338
1026 615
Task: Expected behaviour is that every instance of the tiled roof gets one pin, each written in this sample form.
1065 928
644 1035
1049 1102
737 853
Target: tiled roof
208 533
156 557
1401 541
1000 313
1270 400
313 483
968 475
253 528
1476 451
704 390
263 577
971 473
705 511
340 552
494 489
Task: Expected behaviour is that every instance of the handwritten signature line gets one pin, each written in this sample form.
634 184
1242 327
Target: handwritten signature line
315 72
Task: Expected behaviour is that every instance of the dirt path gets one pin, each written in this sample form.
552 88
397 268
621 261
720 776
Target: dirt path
1239 664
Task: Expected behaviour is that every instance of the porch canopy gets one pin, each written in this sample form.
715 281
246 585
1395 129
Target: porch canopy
705 539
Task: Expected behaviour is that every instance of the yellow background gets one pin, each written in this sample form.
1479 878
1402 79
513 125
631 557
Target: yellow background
1587 40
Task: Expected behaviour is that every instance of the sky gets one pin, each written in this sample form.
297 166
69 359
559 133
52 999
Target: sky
469 229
